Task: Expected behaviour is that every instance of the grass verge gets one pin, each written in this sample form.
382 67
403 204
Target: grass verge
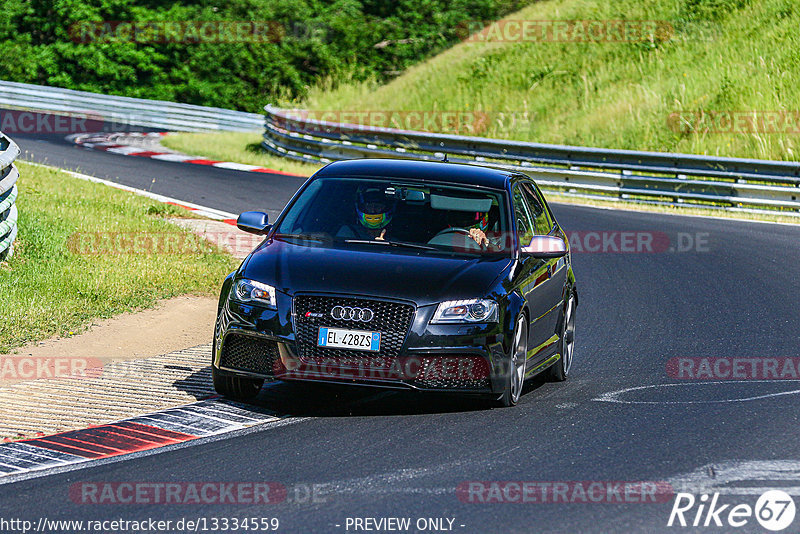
241 147
53 287
736 56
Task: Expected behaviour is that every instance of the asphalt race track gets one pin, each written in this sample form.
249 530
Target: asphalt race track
733 295
197 184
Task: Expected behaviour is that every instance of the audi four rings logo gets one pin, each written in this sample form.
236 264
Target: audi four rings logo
346 313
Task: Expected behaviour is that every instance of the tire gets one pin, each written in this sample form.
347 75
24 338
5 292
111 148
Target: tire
516 368
236 387
559 371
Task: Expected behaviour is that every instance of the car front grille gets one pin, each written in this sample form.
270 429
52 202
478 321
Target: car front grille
391 319
248 353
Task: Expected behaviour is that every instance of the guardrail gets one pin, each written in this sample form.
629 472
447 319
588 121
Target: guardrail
121 110
649 177
8 196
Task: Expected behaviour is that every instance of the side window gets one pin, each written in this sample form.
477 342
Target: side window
541 218
525 223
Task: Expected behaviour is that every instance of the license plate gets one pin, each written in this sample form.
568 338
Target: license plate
341 338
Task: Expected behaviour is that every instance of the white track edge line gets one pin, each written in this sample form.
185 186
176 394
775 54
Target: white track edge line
212 213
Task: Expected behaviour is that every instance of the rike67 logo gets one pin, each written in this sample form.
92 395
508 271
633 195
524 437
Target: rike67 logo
774 510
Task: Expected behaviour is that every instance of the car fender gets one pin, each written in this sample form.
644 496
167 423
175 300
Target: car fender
515 305
225 291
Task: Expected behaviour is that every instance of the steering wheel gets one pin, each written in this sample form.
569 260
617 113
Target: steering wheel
471 242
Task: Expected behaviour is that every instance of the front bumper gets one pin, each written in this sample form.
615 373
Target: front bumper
253 341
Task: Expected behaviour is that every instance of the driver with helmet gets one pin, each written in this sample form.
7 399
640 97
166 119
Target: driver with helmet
374 213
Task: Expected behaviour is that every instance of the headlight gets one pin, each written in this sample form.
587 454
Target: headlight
250 290
466 311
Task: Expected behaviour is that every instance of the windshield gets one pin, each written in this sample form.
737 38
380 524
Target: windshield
383 213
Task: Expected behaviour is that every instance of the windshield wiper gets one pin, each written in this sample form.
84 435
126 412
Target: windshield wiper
389 243
310 237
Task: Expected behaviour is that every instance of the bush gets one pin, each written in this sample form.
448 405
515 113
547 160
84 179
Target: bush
46 42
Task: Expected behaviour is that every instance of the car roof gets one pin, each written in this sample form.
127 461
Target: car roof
435 171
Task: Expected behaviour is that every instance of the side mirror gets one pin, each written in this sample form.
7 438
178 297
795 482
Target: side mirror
546 246
254 222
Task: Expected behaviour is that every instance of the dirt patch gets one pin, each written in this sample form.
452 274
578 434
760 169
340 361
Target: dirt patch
173 325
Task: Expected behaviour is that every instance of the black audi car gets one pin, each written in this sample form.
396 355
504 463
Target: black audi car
427 276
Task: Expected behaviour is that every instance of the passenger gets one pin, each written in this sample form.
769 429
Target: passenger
485 223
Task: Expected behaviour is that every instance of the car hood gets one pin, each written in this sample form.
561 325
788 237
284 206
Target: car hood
420 276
